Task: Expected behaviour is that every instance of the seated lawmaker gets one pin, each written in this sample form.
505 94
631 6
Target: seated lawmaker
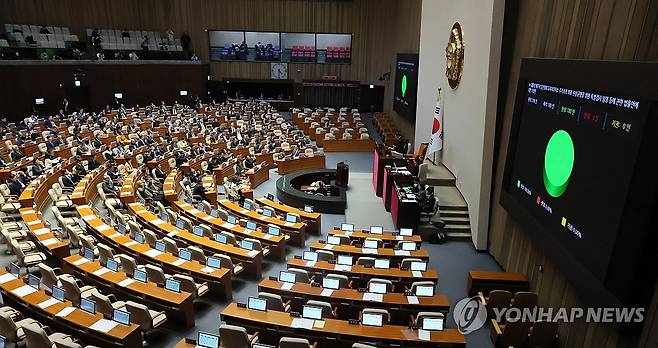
15 154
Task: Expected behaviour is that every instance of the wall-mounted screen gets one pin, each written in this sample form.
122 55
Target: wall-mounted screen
227 45
334 48
571 171
406 84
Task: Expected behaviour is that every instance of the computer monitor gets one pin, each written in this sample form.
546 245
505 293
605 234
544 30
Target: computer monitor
172 285
160 246
39 101
121 228
214 262
231 220
382 263
260 345
257 304
372 319
273 230
182 92
330 283
432 324
291 218
377 288
221 238
33 281
376 230
246 205
58 293
14 269
406 232
207 340
287 277
180 224
139 238
411 246
198 231
270 197
308 208
333 240
118 95
214 213
112 265
189 200
250 225
245 244
418 266
347 227
310 256
88 254
121 317
2 338
88 305
140 275
344 260
185 254
199 206
424 291
267 212
370 244
164 217
312 312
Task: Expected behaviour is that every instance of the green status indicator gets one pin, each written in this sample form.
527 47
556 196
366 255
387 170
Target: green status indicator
558 163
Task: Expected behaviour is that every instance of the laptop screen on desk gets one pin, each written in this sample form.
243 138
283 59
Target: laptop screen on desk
185 254
172 285
433 324
257 304
347 227
287 277
333 240
14 269
273 230
121 317
418 266
231 220
58 293
88 305
344 260
409 246
198 231
139 238
291 218
406 232
207 340
251 225
89 254
214 213
121 228
330 283
382 263
245 244
372 319
246 205
160 246
377 288
140 275
267 212
33 281
424 290
312 312
310 256
164 217
376 229
370 244
112 265
180 224
214 262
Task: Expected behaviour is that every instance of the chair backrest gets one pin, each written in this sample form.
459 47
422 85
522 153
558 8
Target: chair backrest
406 262
128 264
498 299
103 303
225 261
514 334
71 290
524 299
230 237
274 301
301 275
8 327
187 284
104 253
389 284
197 254
543 334
427 315
170 245
139 314
155 274
35 336
293 342
233 336
327 310
325 255
48 276
366 261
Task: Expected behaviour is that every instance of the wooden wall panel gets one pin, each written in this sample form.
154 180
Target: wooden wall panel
580 29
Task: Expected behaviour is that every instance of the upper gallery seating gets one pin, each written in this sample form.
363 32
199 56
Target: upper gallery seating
24 35
338 54
116 39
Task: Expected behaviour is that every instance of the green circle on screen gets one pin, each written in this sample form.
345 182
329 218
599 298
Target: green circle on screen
558 163
403 85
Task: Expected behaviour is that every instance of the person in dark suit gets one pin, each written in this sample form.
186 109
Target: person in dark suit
158 173
67 180
108 186
426 199
14 186
15 154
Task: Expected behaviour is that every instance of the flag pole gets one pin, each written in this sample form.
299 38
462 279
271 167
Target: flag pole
433 160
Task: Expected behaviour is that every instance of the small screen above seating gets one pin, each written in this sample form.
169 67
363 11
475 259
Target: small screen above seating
121 317
424 290
207 340
291 218
382 263
433 324
377 288
287 277
39 101
273 230
183 93
330 283
310 256
372 319
185 254
172 285
376 229
312 312
118 95
257 304
344 260
347 227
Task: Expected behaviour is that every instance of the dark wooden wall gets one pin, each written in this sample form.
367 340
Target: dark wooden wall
583 29
140 84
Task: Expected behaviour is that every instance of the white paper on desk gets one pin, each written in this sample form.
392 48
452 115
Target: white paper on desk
228 225
7 277
99 272
31 211
417 274
262 217
399 237
35 222
89 217
302 323
412 299
289 224
115 235
179 262
310 263
328 246
23 291
49 241
103 227
402 253
80 261
348 233
104 325
130 243
319 324
158 222
423 335
207 269
126 282
208 218
172 233
369 296
47 303
287 286
153 253
41 231
252 253
247 231
343 268
267 236
368 251
326 292
65 312
194 211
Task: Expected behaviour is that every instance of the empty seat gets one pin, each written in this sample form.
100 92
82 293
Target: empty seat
146 319
235 337
327 310
293 342
274 302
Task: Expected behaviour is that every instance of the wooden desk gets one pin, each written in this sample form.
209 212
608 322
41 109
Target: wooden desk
294 230
219 280
127 192
395 256
251 259
338 330
258 175
348 145
77 322
313 221
391 177
482 281
382 158
36 192
43 235
171 186
178 305
293 165
386 237
364 273
277 244
86 191
405 212
350 301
